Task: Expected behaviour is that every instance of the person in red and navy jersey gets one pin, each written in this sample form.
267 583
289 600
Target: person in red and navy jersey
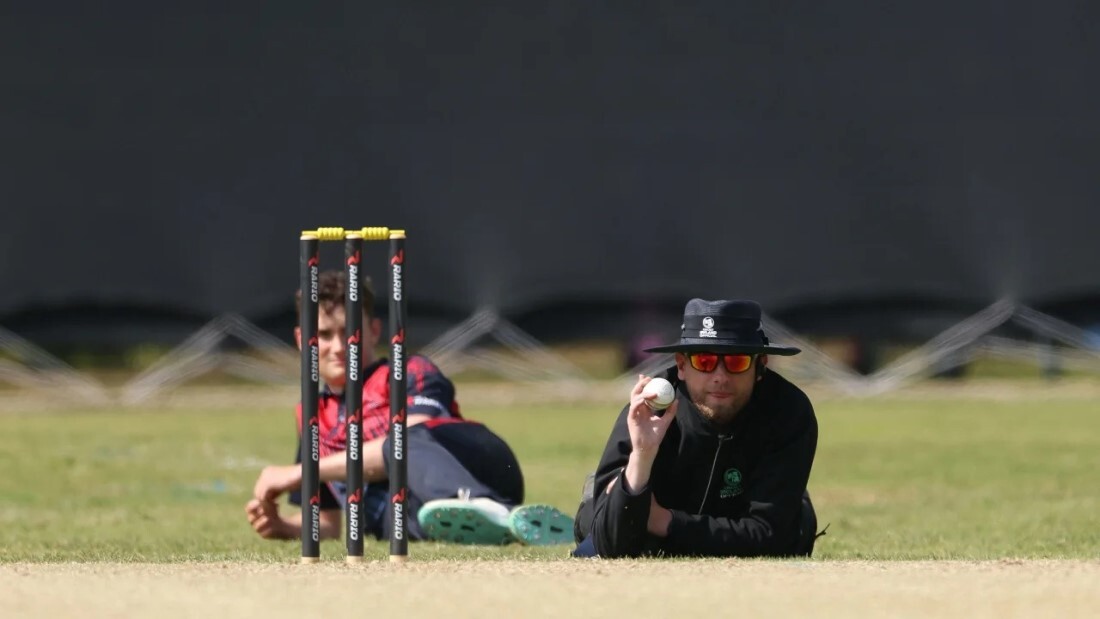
453 456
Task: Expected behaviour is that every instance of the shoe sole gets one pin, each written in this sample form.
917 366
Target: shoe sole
541 525
462 525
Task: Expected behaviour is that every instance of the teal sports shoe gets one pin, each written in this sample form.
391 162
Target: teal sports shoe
466 521
540 525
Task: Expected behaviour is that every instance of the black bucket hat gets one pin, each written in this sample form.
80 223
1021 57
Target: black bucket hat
724 327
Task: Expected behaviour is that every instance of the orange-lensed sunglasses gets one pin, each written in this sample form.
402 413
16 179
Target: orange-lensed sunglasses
708 361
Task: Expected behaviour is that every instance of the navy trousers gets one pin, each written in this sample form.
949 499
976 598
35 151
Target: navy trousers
446 457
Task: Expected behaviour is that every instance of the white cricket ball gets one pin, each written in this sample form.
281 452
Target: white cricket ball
665 393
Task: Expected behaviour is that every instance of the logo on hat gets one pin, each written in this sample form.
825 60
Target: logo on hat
708 328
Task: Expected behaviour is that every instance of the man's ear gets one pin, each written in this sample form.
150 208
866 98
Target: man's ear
681 359
761 366
298 337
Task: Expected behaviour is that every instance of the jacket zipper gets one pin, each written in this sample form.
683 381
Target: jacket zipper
722 438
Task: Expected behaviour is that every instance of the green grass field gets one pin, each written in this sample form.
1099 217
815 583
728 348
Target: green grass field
899 477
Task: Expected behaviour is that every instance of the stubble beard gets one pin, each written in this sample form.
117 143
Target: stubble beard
721 415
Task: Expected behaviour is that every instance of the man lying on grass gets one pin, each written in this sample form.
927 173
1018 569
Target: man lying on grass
465 484
723 470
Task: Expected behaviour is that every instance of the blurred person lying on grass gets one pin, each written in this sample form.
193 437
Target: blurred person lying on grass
723 470
465 484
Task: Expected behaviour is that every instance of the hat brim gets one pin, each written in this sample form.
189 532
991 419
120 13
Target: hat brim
782 351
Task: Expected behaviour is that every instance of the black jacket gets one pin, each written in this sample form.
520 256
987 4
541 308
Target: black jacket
737 493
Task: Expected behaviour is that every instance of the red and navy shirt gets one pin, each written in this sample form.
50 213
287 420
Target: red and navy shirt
428 392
